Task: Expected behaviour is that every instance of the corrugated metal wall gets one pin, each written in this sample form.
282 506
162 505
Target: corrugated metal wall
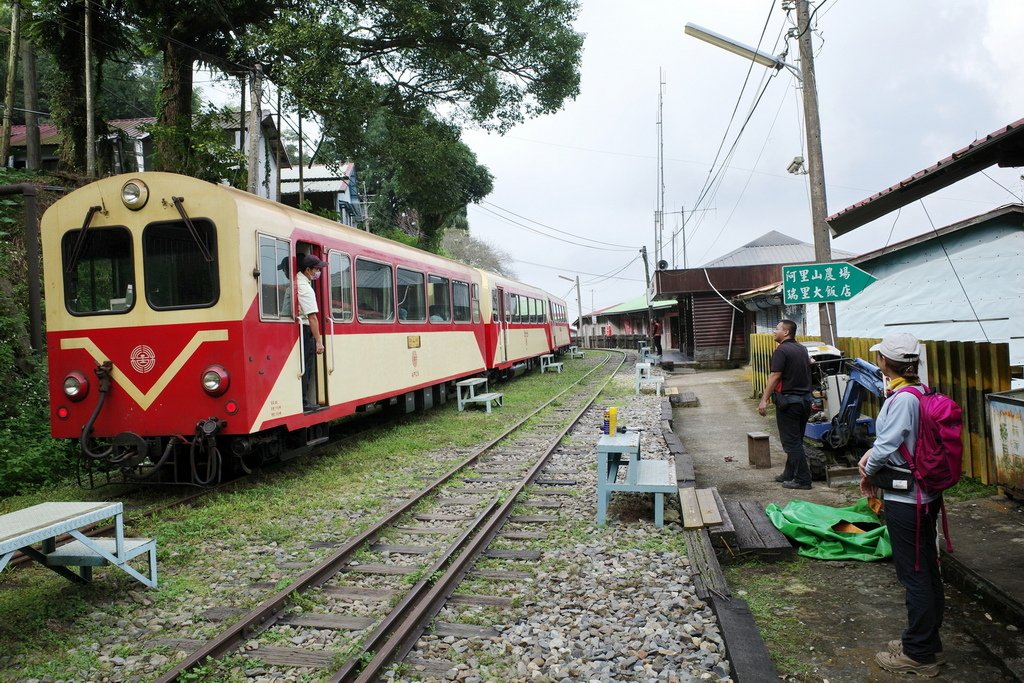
712 321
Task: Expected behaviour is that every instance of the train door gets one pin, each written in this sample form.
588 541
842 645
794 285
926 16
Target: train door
498 316
316 395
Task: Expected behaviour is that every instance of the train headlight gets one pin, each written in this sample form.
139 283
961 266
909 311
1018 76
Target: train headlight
134 194
76 386
215 380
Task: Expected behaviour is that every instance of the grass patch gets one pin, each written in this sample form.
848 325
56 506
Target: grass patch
331 496
969 488
784 634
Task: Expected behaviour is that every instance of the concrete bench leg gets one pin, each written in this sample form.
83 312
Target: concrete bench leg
602 506
659 510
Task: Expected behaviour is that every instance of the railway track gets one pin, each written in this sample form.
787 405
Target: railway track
135 513
386 584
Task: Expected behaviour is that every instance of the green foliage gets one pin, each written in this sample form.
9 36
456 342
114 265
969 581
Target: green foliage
28 456
969 488
203 151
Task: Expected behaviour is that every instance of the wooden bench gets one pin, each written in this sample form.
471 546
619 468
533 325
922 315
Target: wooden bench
485 400
759 453
574 352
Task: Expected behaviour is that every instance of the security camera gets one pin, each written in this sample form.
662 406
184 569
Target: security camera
796 166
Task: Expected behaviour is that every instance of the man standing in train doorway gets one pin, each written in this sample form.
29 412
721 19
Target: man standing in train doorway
789 385
312 342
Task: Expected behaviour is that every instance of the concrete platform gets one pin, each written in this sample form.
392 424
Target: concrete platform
855 607
988 553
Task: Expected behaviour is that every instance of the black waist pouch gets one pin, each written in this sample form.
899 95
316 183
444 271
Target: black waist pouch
892 478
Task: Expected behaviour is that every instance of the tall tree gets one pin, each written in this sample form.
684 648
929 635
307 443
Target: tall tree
393 80
57 27
420 174
461 246
186 32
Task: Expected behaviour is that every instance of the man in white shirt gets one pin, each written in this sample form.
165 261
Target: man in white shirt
312 342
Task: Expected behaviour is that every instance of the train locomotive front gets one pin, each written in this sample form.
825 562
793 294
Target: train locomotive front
144 316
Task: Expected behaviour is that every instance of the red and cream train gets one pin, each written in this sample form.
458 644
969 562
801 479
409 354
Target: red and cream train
172 339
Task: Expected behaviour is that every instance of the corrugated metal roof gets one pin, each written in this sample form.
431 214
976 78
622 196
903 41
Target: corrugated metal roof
319 178
1004 147
48 135
133 127
634 305
770 249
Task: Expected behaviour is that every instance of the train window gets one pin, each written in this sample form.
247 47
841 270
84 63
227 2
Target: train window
494 305
439 303
411 294
514 309
508 307
340 268
460 301
102 277
530 312
476 302
275 278
180 265
540 311
375 294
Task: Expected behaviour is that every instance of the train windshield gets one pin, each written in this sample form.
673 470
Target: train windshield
101 278
181 264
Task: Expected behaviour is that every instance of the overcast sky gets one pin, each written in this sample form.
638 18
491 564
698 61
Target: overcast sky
900 86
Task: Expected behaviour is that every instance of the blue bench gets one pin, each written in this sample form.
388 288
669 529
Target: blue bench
641 476
574 352
547 362
43 523
466 394
645 378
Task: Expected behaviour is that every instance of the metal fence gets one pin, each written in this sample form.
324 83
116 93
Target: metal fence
965 371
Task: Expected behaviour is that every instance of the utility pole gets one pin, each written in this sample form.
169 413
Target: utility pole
255 115
33 157
647 291
815 163
90 105
302 190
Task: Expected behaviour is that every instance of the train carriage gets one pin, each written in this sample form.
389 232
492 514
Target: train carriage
172 334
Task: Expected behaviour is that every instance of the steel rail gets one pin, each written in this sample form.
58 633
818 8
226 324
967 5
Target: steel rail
268 612
404 637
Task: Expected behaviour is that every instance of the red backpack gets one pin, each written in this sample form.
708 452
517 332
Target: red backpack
938 452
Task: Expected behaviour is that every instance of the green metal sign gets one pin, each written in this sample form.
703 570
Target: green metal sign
813 283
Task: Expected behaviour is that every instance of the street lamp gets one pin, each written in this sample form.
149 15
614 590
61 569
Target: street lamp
812 130
757 56
579 306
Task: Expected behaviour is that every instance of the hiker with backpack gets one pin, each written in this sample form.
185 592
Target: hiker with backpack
910 464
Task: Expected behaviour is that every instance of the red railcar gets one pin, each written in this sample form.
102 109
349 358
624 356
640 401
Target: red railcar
173 340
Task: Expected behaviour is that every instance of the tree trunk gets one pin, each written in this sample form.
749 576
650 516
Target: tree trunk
12 62
172 149
33 155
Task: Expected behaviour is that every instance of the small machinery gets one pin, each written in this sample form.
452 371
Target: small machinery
836 426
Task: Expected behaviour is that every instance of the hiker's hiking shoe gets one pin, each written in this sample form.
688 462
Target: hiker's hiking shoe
896 648
902 664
